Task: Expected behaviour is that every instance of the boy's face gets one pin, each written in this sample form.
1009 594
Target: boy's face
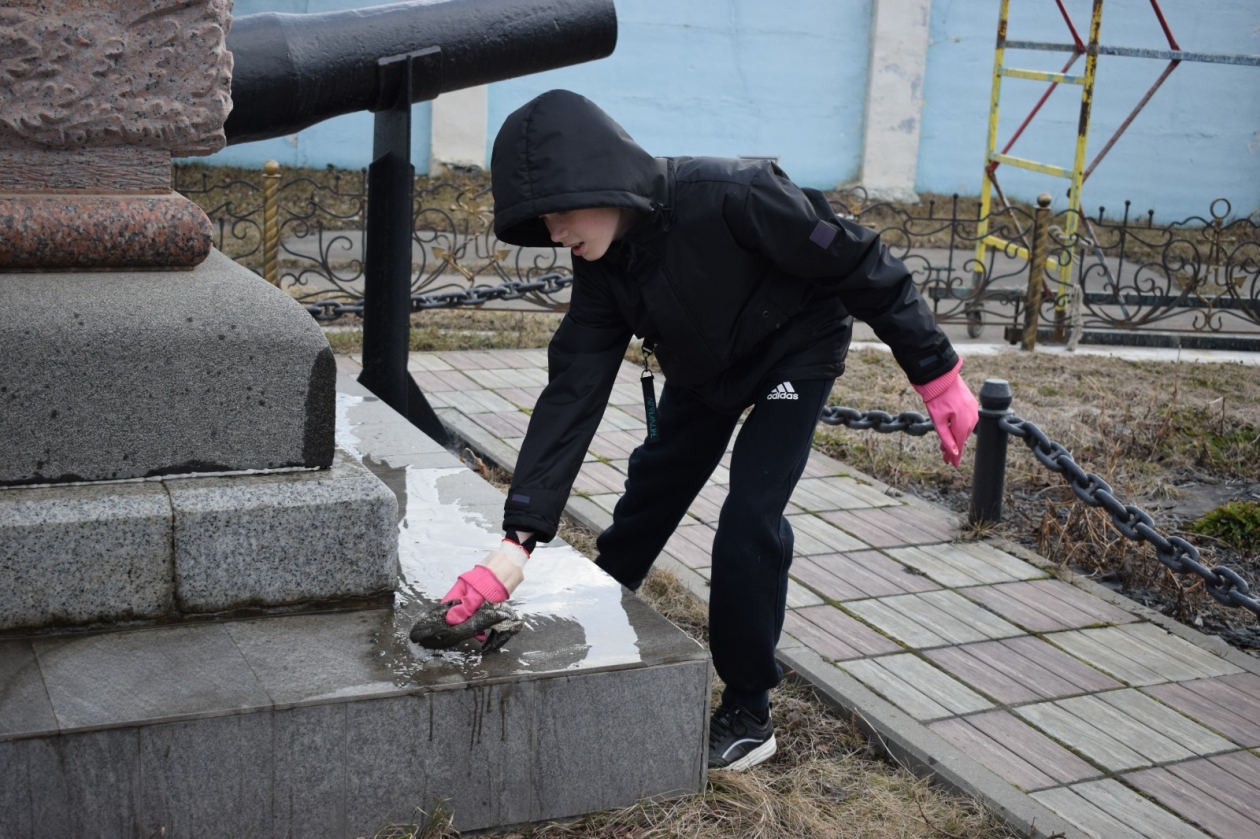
587 232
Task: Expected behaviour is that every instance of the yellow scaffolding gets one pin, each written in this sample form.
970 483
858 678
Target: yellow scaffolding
1079 172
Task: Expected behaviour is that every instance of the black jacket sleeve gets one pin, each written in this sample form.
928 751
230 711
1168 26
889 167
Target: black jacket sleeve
797 230
583 358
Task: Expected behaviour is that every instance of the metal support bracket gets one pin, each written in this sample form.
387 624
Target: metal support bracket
387 251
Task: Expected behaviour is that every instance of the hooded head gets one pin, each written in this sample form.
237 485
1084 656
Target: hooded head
560 152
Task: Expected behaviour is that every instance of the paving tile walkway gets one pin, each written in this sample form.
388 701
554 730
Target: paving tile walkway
1061 705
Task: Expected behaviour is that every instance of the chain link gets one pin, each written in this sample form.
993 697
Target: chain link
1223 584
547 284
882 422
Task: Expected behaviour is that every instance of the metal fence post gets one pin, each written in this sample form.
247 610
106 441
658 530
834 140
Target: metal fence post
270 229
1037 269
988 481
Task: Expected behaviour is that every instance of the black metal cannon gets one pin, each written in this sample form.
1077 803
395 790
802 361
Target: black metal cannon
293 71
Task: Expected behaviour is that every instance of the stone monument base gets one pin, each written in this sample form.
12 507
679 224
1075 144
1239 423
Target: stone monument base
183 547
335 725
110 375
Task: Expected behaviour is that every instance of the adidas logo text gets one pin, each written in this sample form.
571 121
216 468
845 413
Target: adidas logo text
783 391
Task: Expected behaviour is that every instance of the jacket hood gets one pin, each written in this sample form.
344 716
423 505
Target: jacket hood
560 152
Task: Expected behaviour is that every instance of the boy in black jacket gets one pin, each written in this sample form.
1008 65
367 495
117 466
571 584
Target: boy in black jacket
744 284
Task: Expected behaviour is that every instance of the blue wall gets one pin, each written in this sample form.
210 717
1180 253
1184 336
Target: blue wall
730 78
754 77
1197 139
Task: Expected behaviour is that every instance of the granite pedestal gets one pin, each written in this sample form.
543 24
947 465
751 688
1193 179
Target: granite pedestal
132 374
334 724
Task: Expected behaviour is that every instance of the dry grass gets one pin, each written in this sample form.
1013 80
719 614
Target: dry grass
462 329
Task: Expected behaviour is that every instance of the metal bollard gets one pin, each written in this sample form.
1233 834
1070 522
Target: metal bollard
270 230
988 481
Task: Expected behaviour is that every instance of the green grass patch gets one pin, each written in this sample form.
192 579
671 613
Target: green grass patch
1236 523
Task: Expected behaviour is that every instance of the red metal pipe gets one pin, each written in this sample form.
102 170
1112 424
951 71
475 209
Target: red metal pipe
1172 65
1159 13
1080 45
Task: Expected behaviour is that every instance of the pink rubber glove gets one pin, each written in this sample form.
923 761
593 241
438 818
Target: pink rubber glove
953 410
471 590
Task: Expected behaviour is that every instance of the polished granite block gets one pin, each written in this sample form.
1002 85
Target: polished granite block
72 555
24 706
146 676
283 538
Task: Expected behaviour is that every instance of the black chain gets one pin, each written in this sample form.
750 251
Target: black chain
475 296
1224 584
882 422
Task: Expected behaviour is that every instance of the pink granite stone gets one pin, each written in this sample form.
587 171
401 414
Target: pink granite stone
101 231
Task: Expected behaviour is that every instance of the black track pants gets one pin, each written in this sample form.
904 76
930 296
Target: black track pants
753 547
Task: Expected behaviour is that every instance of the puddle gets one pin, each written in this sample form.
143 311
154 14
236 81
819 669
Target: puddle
573 612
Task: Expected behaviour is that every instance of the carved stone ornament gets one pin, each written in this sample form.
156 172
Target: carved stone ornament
78 73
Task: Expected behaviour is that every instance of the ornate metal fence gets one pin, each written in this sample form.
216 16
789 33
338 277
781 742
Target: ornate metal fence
1195 278
318 231
1194 282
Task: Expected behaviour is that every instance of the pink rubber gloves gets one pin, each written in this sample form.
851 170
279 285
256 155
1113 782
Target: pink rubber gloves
953 410
492 580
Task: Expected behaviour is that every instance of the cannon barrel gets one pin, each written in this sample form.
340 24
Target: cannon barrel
293 70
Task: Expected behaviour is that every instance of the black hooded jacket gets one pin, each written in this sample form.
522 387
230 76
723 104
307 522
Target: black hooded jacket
740 278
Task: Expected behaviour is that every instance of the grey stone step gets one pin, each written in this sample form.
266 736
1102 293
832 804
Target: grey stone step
120 551
335 724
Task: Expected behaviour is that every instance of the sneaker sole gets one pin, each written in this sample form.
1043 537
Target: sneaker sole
758 755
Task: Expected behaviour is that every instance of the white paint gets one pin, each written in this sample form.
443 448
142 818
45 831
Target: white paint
894 97
458 127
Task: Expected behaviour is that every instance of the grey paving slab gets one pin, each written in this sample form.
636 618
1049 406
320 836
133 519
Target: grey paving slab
817 495
1092 741
816 536
916 687
1141 654
1138 733
1046 605
1096 822
992 754
1168 723
1033 746
1135 811
1207 794
24 706
426 361
1021 669
835 635
931 619
965 564
873 573
522 397
799 597
1216 704
146 675
72 555
892 526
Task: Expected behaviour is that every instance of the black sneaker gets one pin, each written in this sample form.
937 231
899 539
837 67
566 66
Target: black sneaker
738 740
